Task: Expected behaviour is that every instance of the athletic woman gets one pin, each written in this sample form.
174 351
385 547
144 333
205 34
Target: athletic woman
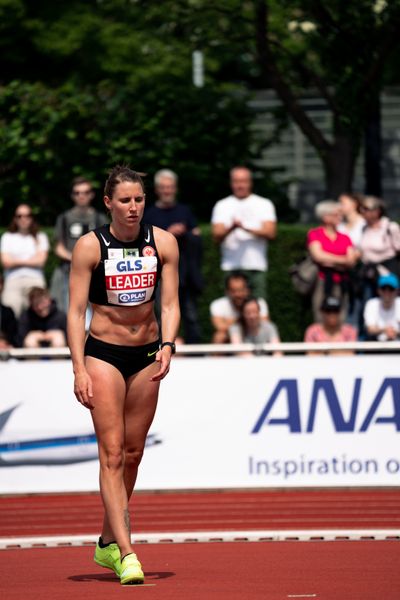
119 367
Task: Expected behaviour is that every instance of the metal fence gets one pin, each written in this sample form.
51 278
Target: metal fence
227 349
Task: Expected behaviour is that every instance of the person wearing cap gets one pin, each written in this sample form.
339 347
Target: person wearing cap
331 328
382 314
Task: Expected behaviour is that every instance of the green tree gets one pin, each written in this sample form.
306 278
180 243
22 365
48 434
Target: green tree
344 51
48 135
87 83
90 83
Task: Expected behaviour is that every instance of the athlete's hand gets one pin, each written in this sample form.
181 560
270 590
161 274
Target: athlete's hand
163 357
83 389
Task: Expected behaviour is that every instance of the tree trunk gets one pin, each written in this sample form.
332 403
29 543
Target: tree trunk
373 149
339 164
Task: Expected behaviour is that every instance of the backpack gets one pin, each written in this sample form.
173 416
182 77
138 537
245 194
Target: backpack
304 275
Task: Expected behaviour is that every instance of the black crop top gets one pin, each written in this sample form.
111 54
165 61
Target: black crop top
128 272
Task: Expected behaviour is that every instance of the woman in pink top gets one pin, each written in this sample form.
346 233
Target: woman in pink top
334 254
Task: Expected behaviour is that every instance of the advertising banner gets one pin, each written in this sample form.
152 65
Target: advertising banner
221 422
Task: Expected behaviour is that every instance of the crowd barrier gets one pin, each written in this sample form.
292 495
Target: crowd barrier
222 421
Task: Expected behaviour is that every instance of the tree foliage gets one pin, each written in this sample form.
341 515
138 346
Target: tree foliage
90 84
343 51
50 135
86 84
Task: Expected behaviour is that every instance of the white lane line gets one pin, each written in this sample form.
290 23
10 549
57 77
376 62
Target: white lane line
302 595
185 537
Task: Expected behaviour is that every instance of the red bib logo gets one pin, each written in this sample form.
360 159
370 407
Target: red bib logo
148 251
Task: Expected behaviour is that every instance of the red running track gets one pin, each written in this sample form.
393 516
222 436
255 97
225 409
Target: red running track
361 570
219 571
75 514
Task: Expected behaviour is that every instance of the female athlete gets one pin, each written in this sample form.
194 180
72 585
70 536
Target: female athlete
118 368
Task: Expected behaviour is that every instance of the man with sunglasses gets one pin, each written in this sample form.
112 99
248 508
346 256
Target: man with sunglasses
70 226
382 314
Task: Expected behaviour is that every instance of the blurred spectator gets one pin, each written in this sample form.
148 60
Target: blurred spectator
179 220
23 252
334 254
4 343
225 311
8 324
382 314
353 224
243 223
331 328
251 328
70 226
42 324
380 244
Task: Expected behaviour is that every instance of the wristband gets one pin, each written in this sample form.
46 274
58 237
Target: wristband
170 344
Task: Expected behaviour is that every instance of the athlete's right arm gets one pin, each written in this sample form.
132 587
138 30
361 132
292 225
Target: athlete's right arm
85 256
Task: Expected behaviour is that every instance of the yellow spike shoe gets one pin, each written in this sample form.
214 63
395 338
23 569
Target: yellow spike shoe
131 570
108 557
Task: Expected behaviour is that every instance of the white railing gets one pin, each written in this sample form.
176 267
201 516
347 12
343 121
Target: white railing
225 349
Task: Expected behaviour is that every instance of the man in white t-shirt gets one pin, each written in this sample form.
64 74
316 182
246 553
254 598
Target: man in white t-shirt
225 311
243 223
382 314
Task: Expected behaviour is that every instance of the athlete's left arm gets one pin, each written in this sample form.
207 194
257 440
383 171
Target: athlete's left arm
170 313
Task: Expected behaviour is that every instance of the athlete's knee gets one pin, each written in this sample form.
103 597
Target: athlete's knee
133 456
112 458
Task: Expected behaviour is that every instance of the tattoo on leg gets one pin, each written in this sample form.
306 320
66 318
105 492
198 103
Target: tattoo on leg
127 520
